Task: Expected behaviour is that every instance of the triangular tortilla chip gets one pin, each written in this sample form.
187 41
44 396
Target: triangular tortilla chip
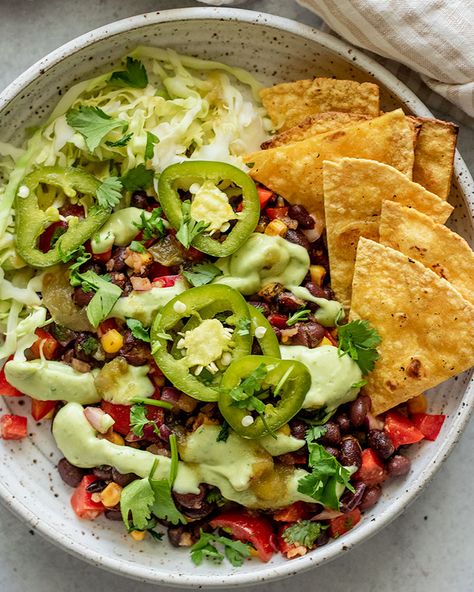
295 170
289 103
434 155
426 326
442 250
354 190
313 125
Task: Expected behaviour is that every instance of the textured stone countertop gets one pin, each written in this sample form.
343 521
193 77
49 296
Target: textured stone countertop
430 548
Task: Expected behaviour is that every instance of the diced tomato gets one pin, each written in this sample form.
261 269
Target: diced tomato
13 427
6 389
195 255
342 524
264 195
106 326
276 213
51 235
401 430
255 530
103 257
82 502
278 321
372 471
329 336
293 513
120 414
45 343
165 281
291 550
429 425
157 270
42 409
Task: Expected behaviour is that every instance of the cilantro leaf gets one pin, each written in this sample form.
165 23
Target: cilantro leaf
300 315
304 532
205 548
151 140
359 340
121 142
202 273
215 497
152 226
189 228
137 247
158 536
223 434
137 499
315 432
138 330
135 75
139 420
104 299
164 507
359 384
109 192
89 346
93 124
138 178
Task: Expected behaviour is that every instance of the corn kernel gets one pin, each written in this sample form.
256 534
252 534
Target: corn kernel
324 341
110 496
318 273
276 228
418 404
285 430
138 535
111 341
114 438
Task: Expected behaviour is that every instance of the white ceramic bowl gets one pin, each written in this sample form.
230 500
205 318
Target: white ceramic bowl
275 49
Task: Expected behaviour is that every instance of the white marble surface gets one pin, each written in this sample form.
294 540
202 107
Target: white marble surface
428 549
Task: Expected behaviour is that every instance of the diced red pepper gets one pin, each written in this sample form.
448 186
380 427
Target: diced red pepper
264 195
278 320
6 389
276 213
13 427
54 231
82 503
42 409
102 257
255 530
291 550
342 524
401 430
157 270
106 326
429 424
293 513
165 281
372 470
45 343
120 414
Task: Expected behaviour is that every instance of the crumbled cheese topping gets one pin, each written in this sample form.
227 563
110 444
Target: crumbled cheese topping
211 205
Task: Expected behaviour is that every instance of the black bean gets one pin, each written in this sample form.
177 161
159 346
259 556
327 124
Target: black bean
97 486
180 536
113 514
358 410
332 434
343 422
332 450
117 261
135 351
289 301
69 473
298 429
318 255
119 279
350 453
323 539
398 465
139 199
82 298
370 497
103 472
298 238
309 334
192 501
350 500
379 441
123 479
301 215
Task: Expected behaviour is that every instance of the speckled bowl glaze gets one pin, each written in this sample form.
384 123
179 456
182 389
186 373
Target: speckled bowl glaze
276 50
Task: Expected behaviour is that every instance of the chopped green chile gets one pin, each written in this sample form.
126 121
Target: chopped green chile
31 221
183 175
290 378
262 332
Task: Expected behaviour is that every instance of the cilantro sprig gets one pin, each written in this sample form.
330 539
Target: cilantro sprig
139 331
109 192
189 228
205 548
202 274
359 340
304 532
93 124
152 226
121 142
137 178
134 75
151 140
300 315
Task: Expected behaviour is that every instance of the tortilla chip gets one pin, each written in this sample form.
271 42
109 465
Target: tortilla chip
295 170
354 190
289 103
426 326
434 155
442 250
313 125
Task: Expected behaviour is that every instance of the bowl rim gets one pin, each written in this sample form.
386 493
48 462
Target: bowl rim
464 179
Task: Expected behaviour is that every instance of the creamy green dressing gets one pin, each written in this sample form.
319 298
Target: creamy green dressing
120 229
332 376
262 260
52 381
144 305
241 469
329 310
